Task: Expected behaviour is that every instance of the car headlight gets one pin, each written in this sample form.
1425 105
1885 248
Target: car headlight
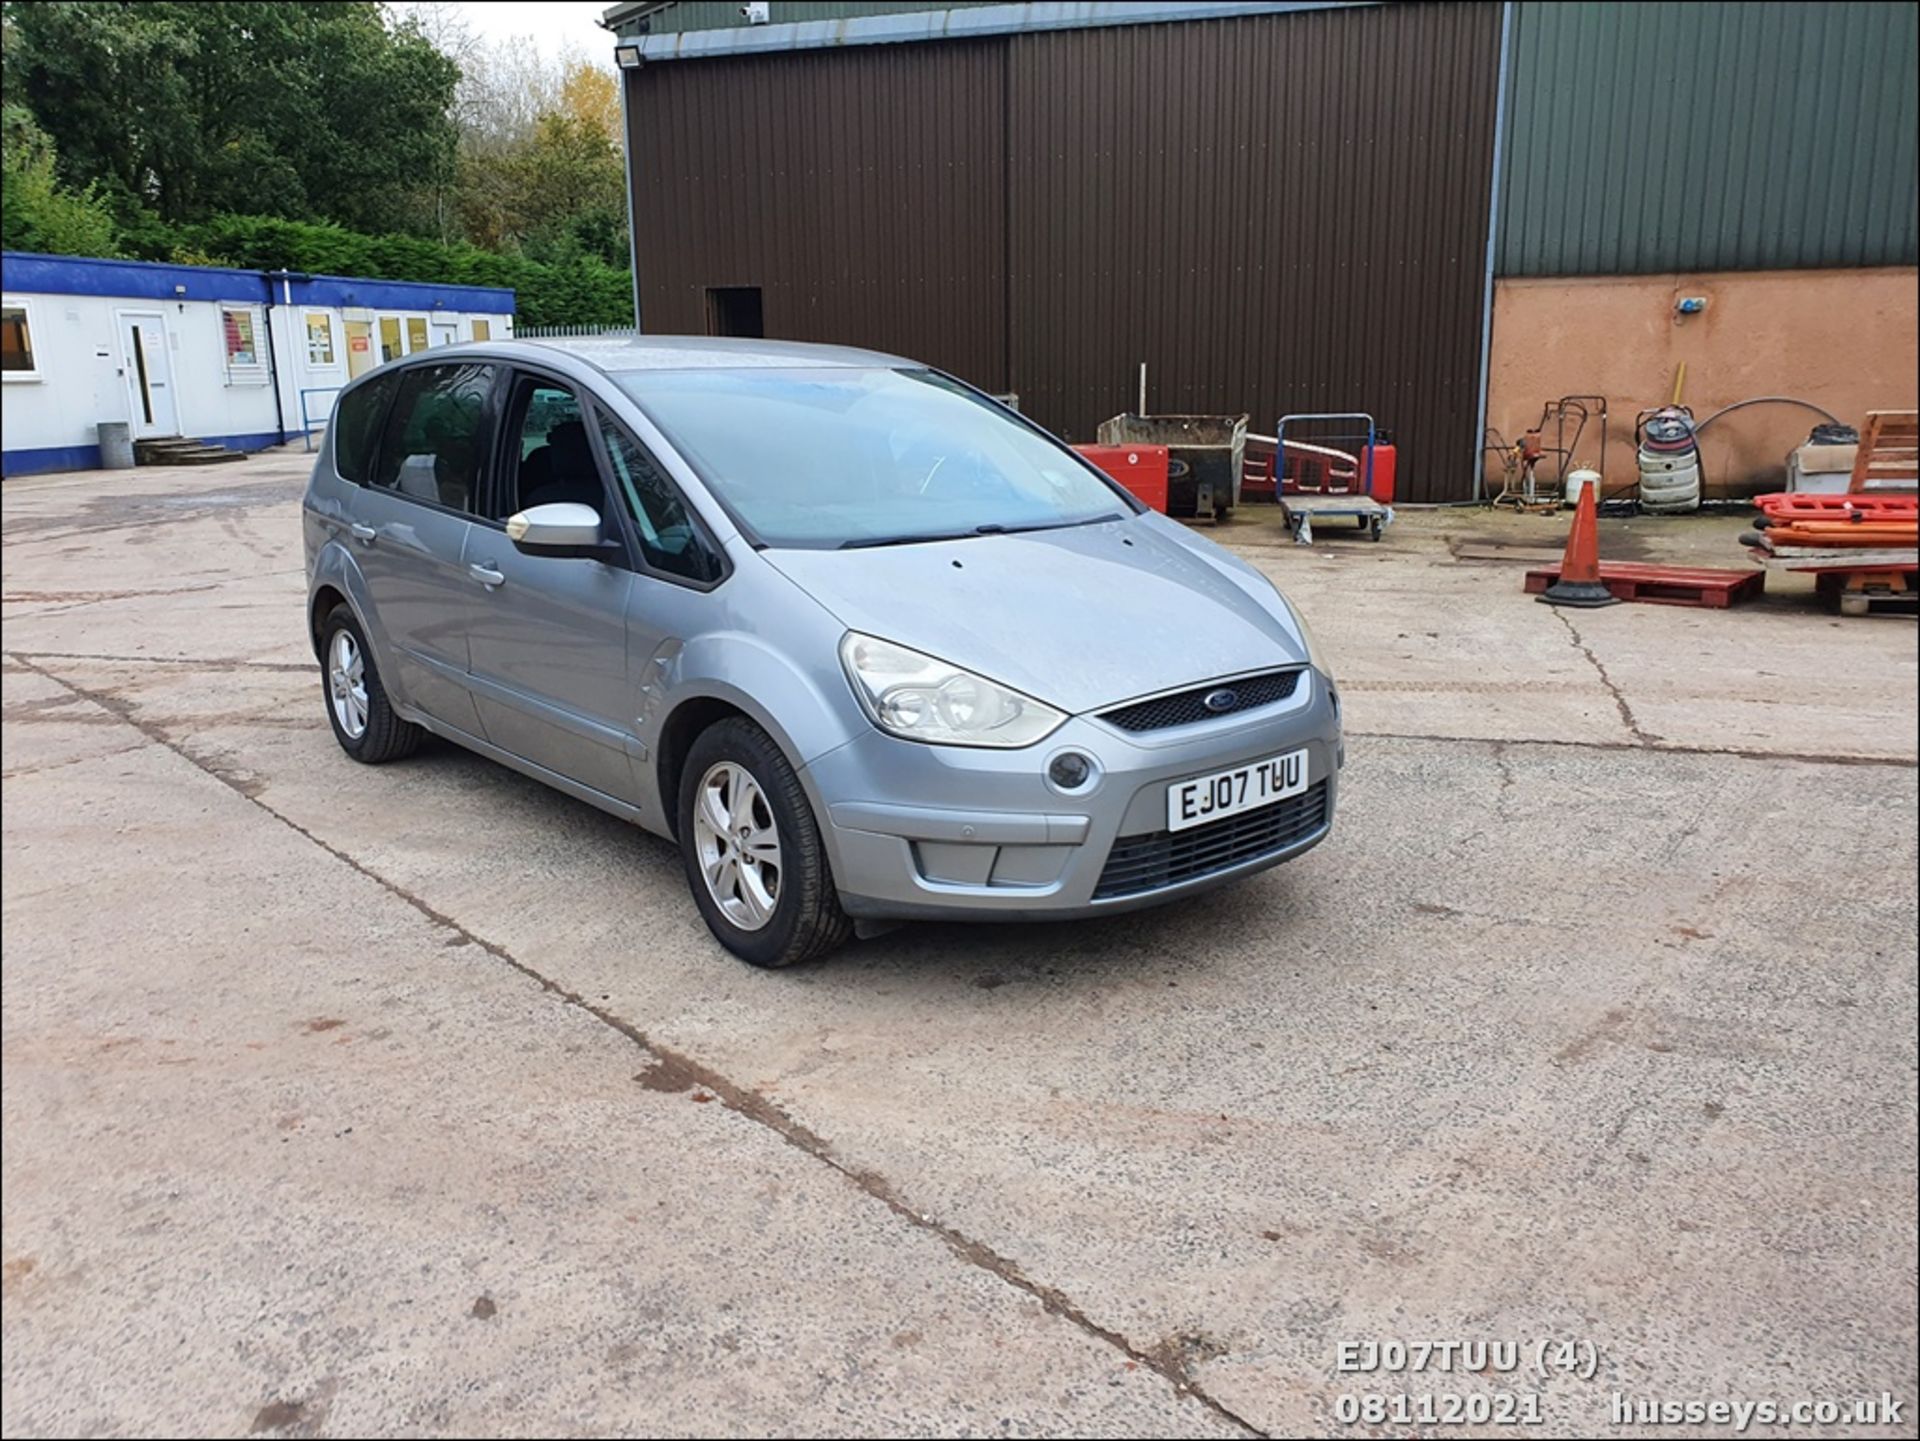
918 698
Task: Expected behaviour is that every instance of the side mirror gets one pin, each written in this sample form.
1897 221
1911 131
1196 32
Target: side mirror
565 528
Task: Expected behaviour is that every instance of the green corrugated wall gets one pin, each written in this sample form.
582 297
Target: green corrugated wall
1728 136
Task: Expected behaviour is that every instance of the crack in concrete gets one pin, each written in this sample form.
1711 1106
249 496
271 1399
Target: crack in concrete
205 663
1619 700
20 771
1164 1360
1659 748
73 599
1505 768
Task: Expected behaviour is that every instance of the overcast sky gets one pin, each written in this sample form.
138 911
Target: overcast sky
556 26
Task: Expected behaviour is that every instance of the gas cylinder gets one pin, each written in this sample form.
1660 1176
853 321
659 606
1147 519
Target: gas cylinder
1385 462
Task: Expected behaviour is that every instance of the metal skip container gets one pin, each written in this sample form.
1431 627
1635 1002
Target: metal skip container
1205 457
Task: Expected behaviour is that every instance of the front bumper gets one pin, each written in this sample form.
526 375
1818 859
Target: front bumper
919 831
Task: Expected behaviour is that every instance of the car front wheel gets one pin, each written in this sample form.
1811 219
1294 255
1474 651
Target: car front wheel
752 850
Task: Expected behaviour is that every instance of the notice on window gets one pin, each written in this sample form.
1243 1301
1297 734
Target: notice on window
319 339
237 325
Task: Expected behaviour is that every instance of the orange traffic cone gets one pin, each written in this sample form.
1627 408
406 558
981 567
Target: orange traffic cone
1579 582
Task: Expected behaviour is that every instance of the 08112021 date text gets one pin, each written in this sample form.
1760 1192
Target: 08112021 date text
1477 1408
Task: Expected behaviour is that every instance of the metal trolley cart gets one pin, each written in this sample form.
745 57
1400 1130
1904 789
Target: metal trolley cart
1302 508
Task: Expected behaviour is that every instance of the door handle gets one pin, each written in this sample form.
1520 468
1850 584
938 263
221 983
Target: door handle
363 532
486 575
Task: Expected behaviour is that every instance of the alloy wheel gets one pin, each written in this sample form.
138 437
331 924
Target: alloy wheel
738 845
347 683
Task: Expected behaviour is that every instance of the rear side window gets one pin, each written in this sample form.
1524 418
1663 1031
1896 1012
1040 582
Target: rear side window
436 433
356 428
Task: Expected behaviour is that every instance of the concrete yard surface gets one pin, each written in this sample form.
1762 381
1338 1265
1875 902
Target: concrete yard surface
344 1100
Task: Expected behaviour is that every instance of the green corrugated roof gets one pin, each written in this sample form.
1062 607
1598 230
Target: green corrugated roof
1650 137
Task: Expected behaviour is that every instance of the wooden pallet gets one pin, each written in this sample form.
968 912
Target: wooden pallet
1889 454
1666 584
1879 603
1871 590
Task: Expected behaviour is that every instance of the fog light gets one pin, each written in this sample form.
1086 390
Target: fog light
1070 770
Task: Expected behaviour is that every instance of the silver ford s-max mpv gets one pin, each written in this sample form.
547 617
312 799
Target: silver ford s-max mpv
867 645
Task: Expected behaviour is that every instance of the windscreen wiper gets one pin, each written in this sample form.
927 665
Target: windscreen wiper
870 542
1059 524
992 527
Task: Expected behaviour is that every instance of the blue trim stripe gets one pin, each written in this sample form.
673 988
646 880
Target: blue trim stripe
249 440
87 457
136 279
30 274
49 457
401 295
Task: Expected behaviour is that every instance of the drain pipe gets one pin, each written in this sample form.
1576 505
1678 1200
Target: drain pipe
273 362
629 160
1493 235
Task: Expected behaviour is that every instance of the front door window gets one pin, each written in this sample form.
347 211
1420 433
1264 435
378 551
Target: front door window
550 458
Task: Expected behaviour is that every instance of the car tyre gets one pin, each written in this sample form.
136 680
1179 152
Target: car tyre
363 719
740 804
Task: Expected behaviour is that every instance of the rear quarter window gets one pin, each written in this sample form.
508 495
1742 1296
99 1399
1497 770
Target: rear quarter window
356 428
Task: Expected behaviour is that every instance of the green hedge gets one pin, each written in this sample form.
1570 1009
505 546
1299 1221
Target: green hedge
578 292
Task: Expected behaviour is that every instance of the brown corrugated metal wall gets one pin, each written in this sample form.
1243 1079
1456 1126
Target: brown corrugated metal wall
1280 212
861 189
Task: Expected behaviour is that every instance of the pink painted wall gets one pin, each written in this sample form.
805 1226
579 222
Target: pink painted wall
1848 340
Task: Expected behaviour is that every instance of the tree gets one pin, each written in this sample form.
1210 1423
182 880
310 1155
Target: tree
540 156
37 212
567 188
590 94
297 109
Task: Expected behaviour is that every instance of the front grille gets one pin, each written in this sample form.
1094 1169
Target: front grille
1166 858
1187 706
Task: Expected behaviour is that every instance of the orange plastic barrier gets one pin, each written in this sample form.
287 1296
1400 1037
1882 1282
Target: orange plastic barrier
1799 505
1879 535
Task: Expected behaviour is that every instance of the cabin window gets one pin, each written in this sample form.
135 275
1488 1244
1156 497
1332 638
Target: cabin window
17 359
319 338
240 336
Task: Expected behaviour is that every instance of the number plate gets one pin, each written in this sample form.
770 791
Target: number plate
1230 792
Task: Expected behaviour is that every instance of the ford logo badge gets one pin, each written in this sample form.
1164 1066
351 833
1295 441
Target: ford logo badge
1221 701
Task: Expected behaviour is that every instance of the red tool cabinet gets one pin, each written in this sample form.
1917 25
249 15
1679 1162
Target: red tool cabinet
1140 469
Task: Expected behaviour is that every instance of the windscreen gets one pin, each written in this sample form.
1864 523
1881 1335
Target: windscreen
820 458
